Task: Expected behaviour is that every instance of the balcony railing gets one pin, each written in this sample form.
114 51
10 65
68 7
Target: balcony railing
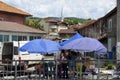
60 69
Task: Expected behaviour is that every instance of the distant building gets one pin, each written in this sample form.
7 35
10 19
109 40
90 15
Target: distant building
66 33
52 27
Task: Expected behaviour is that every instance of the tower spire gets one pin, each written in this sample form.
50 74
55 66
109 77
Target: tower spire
62 17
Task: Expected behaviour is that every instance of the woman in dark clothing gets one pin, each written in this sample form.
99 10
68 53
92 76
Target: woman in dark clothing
71 64
64 65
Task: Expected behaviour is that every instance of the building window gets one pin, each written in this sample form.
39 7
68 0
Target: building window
1 19
14 38
109 44
35 37
1 38
19 38
38 37
31 37
109 25
4 38
22 38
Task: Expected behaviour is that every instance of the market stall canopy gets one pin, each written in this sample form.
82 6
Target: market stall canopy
86 45
42 46
76 36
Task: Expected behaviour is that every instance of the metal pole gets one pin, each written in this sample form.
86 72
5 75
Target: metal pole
56 70
118 32
98 77
15 70
56 66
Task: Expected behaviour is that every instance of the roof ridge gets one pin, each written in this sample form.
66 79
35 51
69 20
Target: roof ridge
8 8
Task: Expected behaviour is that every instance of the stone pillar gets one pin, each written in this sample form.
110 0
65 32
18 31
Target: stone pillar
118 30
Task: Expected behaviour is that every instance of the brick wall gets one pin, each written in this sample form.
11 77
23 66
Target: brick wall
12 17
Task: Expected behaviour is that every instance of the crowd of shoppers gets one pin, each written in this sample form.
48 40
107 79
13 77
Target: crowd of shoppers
71 64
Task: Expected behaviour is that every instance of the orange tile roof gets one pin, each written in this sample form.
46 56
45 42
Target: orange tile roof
16 27
7 8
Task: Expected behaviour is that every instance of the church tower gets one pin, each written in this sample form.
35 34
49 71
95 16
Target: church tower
62 17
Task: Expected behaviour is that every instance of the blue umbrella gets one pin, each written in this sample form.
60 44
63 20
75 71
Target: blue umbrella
76 36
42 46
86 45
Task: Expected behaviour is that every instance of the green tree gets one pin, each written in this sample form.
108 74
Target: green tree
35 23
74 20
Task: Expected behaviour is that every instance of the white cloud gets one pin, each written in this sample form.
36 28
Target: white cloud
71 8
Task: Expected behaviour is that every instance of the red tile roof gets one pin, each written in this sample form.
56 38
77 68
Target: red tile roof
51 20
7 8
87 24
16 27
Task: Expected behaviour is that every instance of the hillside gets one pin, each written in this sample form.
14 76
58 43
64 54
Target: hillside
68 20
34 21
74 20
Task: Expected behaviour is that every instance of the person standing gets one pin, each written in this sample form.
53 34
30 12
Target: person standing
39 69
71 63
64 65
79 64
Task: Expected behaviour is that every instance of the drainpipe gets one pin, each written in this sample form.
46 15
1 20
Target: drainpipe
118 32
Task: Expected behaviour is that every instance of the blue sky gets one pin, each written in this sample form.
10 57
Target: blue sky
71 8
